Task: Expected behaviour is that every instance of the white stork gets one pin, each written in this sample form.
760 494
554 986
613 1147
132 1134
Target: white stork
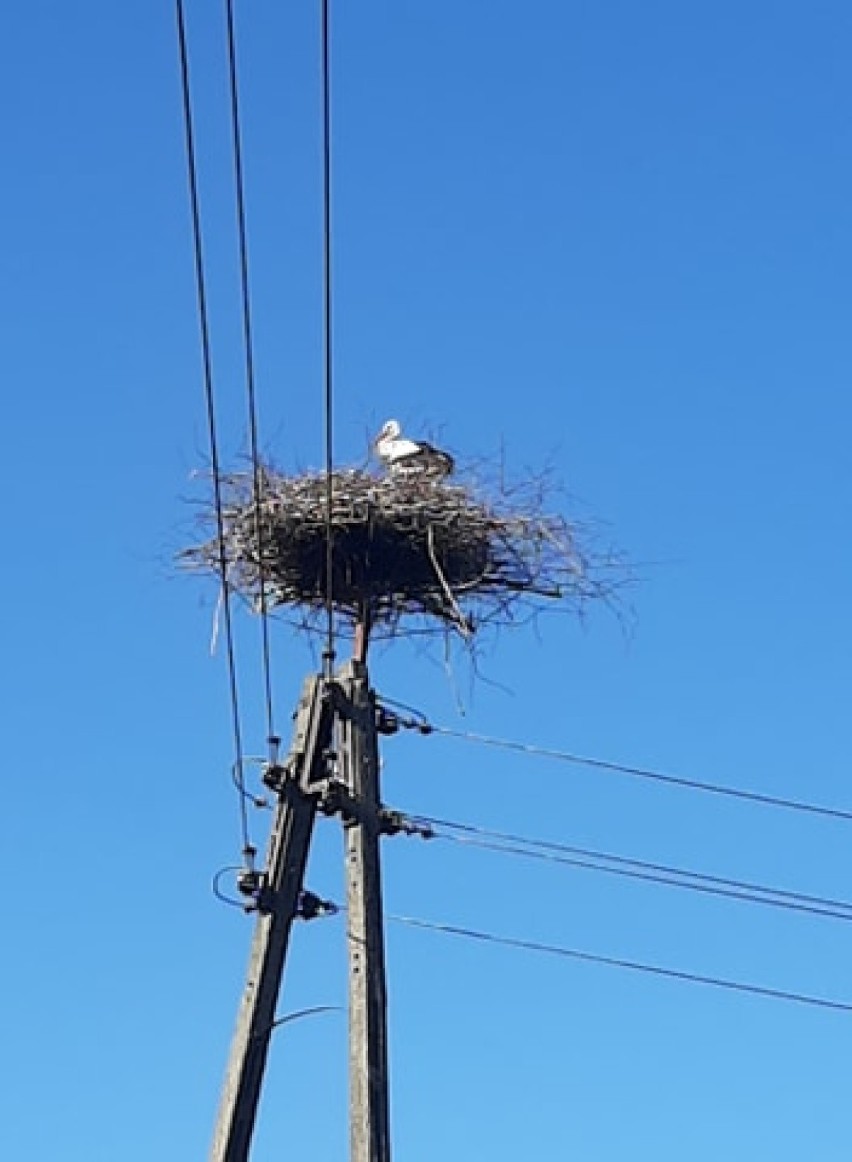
408 457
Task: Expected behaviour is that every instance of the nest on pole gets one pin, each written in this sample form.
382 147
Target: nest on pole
410 548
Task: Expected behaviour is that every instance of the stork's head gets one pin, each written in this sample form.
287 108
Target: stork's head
390 431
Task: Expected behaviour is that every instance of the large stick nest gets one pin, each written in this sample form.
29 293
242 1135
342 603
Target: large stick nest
449 555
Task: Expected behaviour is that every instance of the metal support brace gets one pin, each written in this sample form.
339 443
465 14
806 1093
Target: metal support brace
298 783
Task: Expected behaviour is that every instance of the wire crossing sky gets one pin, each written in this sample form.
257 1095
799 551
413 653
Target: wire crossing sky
210 405
656 873
631 965
535 751
251 394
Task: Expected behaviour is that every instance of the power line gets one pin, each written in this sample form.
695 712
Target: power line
325 69
632 965
248 345
664 874
421 724
204 328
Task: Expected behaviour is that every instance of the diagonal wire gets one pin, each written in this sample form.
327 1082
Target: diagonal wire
249 362
204 327
423 726
508 844
327 329
632 965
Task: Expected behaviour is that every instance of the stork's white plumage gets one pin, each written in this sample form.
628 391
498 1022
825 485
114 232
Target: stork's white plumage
405 457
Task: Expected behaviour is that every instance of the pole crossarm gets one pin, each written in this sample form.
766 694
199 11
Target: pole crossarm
298 783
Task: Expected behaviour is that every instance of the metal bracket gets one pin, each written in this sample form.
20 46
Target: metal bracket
336 799
387 722
363 716
396 823
311 906
310 752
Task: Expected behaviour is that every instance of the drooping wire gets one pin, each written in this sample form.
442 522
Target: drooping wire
506 843
204 327
328 397
219 894
633 965
411 719
239 781
577 954
248 344
289 1018
423 726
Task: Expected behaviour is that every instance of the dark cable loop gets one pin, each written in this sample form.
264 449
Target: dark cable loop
248 344
204 326
219 894
417 720
238 779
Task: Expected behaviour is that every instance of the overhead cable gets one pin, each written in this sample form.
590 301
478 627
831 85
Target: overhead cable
633 965
791 996
421 724
248 344
204 328
328 396
506 843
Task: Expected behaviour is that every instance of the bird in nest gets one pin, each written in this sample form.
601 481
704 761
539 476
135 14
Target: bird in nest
404 457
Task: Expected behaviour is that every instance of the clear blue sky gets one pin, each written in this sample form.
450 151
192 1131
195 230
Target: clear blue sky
614 236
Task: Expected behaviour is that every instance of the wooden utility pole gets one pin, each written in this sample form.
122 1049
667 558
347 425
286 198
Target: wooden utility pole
278 893
305 784
368 1055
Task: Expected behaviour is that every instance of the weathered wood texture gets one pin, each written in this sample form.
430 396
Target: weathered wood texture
368 1054
286 859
